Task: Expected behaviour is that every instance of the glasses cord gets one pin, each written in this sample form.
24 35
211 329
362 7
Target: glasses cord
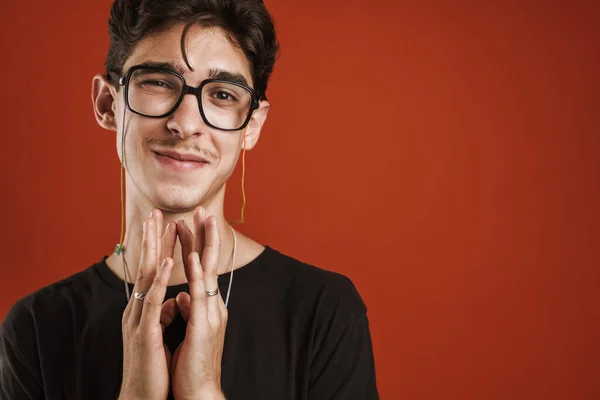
120 248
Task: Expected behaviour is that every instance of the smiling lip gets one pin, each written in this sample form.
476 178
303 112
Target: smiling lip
179 161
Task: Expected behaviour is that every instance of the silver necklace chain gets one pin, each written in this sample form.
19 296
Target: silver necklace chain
127 276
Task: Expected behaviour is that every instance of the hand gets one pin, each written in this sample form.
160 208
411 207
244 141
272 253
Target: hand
146 358
196 365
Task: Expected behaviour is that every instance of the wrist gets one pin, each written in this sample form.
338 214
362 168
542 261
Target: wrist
127 397
205 394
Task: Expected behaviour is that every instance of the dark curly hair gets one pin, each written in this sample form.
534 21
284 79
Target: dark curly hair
247 23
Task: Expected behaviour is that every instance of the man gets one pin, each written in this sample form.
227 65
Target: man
185 92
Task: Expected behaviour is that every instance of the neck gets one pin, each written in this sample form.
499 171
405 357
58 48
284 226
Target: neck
137 211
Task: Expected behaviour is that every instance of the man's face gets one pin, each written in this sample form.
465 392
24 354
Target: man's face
179 186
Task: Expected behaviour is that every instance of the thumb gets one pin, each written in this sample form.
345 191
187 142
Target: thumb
168 312
184 302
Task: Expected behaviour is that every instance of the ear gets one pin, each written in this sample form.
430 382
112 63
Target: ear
259 116
103 99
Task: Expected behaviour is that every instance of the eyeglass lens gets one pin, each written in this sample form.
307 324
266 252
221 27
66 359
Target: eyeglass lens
155 93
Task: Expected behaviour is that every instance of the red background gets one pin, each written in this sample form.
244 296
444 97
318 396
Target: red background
444 157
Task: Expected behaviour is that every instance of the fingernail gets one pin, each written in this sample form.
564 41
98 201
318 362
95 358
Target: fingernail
185 223
144 227
196 257
202 213
151 212
164 264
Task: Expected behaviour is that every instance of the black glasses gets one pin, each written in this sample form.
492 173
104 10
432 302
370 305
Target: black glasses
157 92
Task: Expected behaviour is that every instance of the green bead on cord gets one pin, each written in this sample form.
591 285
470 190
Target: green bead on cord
119 249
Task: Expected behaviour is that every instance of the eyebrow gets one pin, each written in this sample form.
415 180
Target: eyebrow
171 66
213 73
235 77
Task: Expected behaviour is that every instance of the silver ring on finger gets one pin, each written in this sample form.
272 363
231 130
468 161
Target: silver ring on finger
210 293
139 295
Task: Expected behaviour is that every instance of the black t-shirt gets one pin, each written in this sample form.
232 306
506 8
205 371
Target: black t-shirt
294 332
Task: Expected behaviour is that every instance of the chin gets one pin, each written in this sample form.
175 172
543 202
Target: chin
176 199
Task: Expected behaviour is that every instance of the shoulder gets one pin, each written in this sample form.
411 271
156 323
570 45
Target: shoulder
35 332
44 306
324 291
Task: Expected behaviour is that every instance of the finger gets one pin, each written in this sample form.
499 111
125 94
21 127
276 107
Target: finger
224 311
168 313
147 266
158 218
186 238
210 261
199 221
169 239
168 355
151 313
198 296
212 247
183 305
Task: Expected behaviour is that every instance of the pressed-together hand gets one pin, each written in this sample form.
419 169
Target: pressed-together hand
196 365
146 358
195 368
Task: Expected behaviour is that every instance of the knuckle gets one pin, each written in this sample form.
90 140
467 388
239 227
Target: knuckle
148 245
149 300
169 239
158 277
137 340
127 329
126 320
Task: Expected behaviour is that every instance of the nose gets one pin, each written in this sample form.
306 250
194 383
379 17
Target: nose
186 120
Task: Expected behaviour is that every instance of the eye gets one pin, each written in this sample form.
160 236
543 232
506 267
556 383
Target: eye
160 84
224 96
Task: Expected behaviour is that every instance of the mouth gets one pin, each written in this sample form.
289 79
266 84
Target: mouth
180 161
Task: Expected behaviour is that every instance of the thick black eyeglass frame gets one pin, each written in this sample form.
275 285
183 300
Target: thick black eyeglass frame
186 89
